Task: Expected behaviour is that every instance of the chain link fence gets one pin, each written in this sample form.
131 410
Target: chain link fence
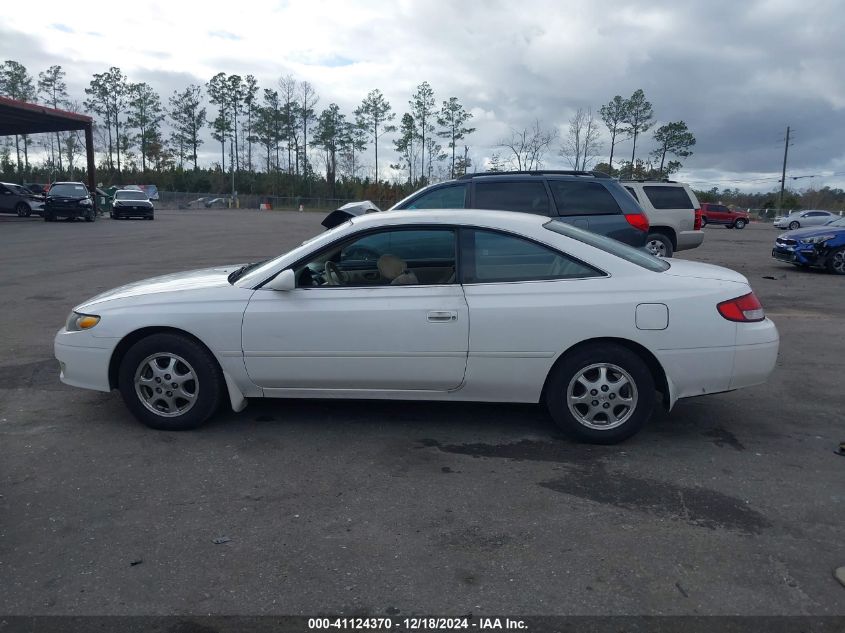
199 200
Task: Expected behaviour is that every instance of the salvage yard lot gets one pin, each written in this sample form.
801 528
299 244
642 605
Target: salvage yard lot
731 504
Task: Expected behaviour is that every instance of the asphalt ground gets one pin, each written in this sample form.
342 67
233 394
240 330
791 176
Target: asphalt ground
731 504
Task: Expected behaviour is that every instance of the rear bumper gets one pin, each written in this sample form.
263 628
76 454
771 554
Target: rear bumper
756 353
689 239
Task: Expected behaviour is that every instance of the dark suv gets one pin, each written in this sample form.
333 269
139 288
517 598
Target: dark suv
69 200
588 199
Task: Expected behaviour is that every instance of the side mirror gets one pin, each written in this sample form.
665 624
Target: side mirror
285 281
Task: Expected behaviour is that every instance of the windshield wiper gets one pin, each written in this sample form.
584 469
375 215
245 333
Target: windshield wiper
240 272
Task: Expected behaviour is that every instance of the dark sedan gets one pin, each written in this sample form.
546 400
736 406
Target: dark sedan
69 200
129 203
820 246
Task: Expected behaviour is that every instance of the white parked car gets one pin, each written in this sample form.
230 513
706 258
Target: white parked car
801 219
429 305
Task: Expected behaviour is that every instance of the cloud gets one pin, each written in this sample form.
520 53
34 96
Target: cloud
225 35
736 73
64 28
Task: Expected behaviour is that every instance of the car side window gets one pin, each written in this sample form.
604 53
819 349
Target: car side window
526 196
574 197
633 193
449 197
397 257
668 197
490 256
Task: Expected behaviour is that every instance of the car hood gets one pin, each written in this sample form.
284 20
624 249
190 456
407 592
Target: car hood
698 270
811 231
176 282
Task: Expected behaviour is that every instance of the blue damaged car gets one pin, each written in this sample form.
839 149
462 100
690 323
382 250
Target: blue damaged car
822 246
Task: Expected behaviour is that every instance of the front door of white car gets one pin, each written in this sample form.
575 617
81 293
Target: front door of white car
380 312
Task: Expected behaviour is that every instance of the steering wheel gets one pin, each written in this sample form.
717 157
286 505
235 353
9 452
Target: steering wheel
334 275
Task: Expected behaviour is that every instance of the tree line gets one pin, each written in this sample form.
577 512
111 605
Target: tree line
276 139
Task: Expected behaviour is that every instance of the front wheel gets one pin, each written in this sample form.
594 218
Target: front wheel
739 224
601 394
170 382
23 210
90 215
794 225
836 261
49 217
703 221
659 245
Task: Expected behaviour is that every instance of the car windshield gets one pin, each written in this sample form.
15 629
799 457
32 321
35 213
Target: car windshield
837 222
130 195
70 190
609 245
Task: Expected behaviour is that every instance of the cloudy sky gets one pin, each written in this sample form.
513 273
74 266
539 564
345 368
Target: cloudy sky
737 72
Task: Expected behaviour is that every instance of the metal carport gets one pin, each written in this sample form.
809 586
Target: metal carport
19 117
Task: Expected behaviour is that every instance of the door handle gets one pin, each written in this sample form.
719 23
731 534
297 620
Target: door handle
442 316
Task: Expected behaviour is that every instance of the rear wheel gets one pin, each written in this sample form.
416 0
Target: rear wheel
739 224
659 244
836 261
170 382
602 394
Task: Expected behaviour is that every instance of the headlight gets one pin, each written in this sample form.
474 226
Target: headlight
816 240
86 202
77 322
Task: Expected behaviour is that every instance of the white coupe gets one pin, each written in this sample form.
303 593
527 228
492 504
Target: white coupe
429 305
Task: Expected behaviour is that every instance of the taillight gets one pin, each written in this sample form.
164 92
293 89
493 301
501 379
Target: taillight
744 309
638 221
696 224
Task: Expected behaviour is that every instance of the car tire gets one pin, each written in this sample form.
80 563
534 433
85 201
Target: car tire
836 261
624 388
703 221
794 225
49 217
90 215
739 224
23 210
659 245
112 215
160 359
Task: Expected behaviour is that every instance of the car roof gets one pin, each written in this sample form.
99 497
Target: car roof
476 217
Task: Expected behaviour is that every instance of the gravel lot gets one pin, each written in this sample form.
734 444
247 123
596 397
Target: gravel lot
731 504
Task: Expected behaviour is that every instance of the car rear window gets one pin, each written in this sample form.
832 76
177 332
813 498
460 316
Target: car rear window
609 245
583 198
668 197
527 197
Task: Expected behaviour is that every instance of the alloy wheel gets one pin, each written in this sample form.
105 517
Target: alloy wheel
656 248
602 396
166 384
837 262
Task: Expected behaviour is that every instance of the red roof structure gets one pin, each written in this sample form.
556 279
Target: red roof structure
20 117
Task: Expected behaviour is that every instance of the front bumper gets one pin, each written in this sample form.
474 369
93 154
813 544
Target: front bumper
689 239
83 360
803 254
68 212
141 212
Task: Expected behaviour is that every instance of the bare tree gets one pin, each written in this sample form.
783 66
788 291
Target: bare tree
582 142
528 146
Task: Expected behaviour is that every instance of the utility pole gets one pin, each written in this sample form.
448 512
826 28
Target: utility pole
783 173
